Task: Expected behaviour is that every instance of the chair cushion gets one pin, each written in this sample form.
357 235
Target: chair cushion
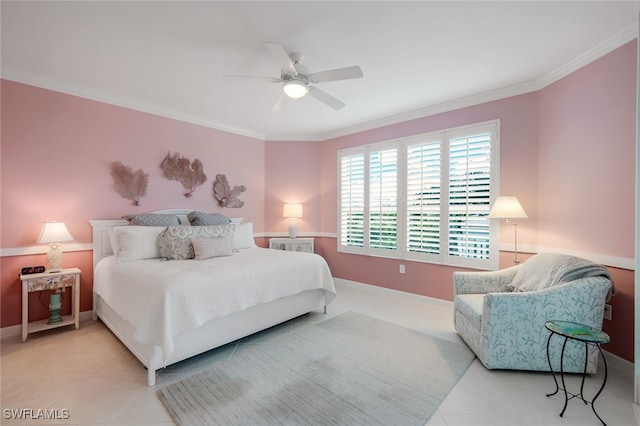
470 305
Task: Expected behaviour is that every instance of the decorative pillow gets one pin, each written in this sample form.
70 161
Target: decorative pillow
137 242
243 236
175 241
207 219
206 248
151 219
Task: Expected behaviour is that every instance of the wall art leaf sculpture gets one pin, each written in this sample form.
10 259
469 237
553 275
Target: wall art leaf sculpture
226 196
129 184
189 174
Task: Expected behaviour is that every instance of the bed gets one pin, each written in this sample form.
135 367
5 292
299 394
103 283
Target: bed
165 311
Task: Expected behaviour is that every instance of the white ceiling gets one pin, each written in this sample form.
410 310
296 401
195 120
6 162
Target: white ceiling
417 57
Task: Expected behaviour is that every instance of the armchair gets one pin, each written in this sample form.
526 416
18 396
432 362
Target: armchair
501 314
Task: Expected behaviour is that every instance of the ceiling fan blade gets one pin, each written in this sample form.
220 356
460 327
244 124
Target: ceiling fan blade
251 78
337 74
326 98
282 101
282 58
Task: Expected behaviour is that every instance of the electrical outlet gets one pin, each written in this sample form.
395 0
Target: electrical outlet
607 312
402 269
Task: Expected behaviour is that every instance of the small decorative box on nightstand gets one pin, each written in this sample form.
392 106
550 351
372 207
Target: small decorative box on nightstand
292 244
50 281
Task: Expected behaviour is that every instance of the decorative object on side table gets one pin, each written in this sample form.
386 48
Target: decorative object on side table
55 306
129 184
225 195
57 281
54 233
292 210
581 333
189 174
509 208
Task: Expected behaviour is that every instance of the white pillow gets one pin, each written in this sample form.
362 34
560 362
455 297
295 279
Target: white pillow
137 242
206 248
113 239
243 236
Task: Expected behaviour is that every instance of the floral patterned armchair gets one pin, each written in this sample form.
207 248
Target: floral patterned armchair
501 314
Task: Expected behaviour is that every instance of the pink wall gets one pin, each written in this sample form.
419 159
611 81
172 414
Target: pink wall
56 156
519 175
292 177
587 157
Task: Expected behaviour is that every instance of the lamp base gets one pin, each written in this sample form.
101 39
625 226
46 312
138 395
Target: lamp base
293 229
54 258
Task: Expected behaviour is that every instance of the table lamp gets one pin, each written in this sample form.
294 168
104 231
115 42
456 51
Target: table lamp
509 208
53 233
292 211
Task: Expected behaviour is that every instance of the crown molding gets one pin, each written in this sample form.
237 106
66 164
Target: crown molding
477 99
121 101
618 39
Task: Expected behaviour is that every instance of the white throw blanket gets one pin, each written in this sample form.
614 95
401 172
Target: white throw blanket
546 270
161 299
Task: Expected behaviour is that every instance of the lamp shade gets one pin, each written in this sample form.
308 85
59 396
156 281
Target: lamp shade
54 232
292 210
295 89
507 207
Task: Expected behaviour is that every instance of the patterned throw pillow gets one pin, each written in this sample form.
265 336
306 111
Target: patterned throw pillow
207 219
206 248
175 241
151 219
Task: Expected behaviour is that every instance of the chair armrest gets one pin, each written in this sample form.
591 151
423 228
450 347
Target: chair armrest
580 301
482 282
513 323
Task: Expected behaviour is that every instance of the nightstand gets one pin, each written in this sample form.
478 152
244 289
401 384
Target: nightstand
292 244
50 281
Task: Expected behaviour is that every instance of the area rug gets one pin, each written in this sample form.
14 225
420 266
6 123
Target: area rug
348 370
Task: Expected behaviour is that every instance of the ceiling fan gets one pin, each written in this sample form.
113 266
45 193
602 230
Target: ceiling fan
296 79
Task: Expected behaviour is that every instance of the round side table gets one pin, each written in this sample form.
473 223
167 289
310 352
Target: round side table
582 333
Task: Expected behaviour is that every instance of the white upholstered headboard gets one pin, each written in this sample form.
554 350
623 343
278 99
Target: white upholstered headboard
102 243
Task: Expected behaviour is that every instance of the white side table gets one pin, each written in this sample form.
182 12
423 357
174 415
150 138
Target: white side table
292 244
50 281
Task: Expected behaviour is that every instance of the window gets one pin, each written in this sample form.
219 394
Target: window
424 198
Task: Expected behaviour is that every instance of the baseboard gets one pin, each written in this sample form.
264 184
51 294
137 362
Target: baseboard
388 291
16 330
624 367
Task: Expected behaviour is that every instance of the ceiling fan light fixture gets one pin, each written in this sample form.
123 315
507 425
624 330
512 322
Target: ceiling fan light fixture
295 89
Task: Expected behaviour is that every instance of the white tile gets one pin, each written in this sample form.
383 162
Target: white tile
101 382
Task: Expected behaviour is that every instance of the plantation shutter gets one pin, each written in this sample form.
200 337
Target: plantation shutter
383 199
469 196
423 197
352 200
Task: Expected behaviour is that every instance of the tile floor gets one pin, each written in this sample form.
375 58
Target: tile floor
90 374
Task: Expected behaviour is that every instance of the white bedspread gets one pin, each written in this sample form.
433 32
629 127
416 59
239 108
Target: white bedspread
160 298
